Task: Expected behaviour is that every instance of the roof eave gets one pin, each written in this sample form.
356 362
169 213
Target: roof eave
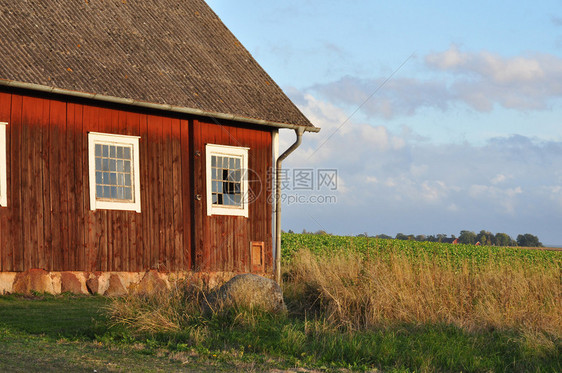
150 105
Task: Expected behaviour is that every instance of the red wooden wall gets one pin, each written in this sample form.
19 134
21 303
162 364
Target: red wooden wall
48 223
215 248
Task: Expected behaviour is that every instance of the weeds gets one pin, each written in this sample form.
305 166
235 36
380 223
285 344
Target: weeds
353 309
358 292
162 311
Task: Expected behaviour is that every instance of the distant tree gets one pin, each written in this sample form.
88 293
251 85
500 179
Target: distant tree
442 237
401 236
291 231
384 236
363 235
503 239
304 231
420 237
485 238
528 240
321 233
467 237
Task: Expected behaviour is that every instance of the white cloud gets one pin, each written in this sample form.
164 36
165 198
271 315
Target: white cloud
421 187
354 142
554 193
398 96
342 185
418 170
483 79
453 207
390 182
433 191
450 59
492 66
480 80
498 179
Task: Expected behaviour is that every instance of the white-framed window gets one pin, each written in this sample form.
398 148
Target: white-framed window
227 180
3 166
114 172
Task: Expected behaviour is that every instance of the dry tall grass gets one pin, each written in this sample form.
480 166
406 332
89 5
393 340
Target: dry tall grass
186 306
162 311
359 292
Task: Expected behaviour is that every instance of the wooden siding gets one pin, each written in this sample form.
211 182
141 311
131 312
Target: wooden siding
214 250
48 223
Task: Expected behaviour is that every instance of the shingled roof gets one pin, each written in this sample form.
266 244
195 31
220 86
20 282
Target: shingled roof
174 53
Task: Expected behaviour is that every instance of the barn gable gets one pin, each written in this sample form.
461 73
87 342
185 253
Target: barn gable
135 136
167 52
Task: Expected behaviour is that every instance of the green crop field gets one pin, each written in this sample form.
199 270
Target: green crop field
447 254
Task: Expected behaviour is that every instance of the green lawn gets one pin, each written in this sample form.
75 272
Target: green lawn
71 333
70 317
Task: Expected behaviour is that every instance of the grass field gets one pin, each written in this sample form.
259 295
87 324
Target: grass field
68 333
354 304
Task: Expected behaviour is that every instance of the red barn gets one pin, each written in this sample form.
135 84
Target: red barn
134 136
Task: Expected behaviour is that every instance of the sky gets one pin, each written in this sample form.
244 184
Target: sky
435 116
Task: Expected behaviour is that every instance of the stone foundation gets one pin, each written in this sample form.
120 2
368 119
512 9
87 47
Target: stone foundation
102 283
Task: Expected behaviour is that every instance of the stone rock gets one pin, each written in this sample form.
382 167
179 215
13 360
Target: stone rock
70 283
33 280
7 280
251 291
151 282
93 285
115 288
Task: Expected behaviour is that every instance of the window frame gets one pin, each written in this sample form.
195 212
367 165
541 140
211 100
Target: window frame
228 151
120 140
3 166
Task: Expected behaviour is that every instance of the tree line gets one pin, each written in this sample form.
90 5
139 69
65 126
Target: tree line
471 238
484 238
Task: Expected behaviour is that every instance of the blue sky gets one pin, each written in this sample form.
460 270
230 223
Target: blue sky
438 116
